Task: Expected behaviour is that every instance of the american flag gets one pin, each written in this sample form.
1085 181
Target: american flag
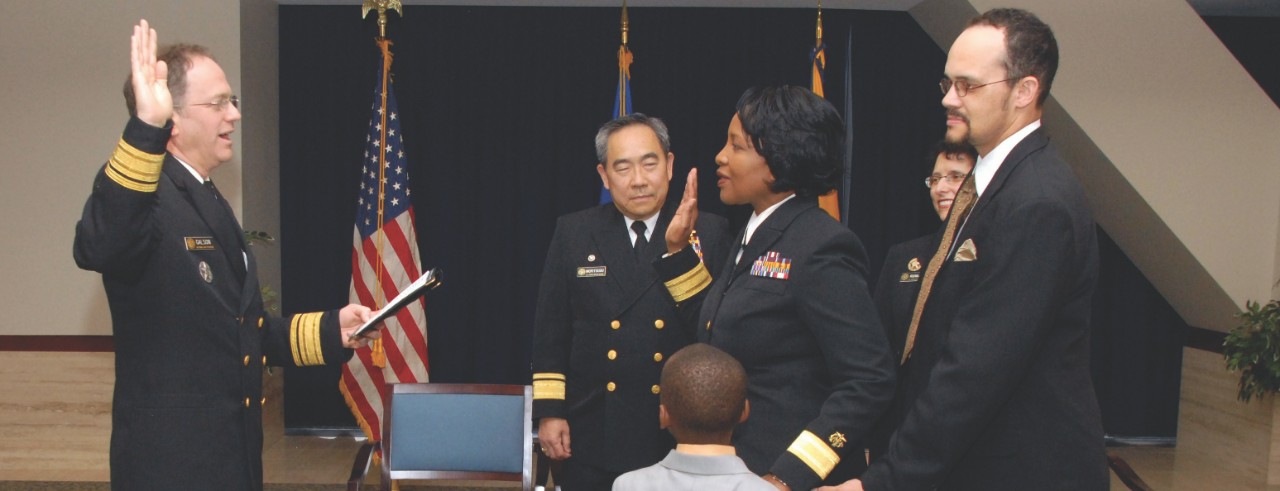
384 259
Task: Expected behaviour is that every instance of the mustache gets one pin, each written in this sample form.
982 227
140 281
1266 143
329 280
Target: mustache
958 115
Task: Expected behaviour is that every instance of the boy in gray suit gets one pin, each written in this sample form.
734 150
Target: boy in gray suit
704 395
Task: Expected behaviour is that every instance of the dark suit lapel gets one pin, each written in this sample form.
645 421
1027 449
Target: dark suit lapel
209 209
249 289
1033 143
611 239
769 232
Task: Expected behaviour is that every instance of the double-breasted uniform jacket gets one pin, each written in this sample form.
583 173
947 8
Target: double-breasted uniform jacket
895 298
603 329
191 338
998 386
796 312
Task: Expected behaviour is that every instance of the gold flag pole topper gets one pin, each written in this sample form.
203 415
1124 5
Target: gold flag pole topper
819 41
379 355
381 6
626 24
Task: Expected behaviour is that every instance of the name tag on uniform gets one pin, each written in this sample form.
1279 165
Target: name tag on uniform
909 277
199 243
592 271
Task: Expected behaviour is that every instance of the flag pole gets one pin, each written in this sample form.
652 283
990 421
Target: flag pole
624 69
378 352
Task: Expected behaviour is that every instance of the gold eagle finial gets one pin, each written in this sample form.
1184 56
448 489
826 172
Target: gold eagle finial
382 6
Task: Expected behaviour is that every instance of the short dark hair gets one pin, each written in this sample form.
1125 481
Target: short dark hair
179 58
608 129
953 151
1030 48
799 134
704 390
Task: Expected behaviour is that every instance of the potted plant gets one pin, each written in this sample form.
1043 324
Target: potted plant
1253 349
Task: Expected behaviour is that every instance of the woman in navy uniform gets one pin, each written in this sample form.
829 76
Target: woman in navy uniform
793 304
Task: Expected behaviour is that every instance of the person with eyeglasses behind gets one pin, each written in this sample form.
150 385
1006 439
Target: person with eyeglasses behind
190 332
899 281
997 387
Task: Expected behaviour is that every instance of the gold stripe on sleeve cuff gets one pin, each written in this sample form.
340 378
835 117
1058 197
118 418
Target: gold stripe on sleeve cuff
548 386
134 169
304 339
687 285
814 453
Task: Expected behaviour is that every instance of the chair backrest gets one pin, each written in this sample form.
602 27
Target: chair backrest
466 432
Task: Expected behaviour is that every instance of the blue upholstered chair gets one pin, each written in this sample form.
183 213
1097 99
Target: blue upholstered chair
462 432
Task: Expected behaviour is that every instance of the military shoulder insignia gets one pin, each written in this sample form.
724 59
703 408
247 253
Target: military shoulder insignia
592 271
837 440
913 264
772 265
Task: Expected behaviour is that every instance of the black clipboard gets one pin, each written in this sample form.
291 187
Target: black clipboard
425 283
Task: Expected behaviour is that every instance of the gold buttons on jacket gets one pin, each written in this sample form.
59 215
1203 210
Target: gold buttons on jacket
708 325
659 324
260 320
656 389
246 402
263 402
611 387
246 360
613 354
615 324
657 357
264 360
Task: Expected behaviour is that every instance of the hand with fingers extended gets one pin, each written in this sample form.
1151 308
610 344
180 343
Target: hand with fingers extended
686 215
150 78
553 435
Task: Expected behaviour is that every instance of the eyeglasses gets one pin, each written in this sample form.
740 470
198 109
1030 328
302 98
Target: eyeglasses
963 87
220 104
952 178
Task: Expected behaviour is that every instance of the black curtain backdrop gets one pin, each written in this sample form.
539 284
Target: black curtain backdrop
499 106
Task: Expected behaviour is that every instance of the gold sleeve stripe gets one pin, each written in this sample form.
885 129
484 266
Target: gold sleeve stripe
548 389
134 169
687 285
548 385
304 339
814 453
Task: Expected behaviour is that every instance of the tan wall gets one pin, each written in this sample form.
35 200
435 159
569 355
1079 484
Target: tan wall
64 66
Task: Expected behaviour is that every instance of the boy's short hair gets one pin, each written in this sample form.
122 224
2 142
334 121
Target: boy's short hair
704 391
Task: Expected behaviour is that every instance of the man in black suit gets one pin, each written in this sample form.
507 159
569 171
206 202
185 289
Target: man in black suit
899 282
191 336
998 381
605 324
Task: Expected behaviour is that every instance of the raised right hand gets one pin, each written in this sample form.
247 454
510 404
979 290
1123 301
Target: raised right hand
553 435
686 215
150 78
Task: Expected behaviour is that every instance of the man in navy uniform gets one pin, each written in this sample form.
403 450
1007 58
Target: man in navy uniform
604 322
191 336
